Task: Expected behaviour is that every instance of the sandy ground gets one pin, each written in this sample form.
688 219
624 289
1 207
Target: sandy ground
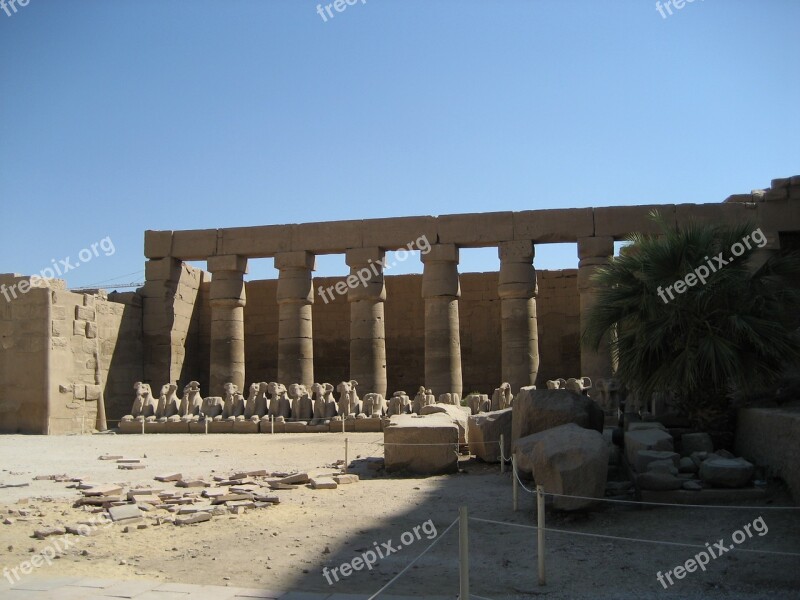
285 547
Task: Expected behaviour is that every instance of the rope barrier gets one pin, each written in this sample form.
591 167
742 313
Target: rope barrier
396 577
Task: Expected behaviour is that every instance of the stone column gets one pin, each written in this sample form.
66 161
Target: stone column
441 290
295 297
367 325
592 252
517 290
227 300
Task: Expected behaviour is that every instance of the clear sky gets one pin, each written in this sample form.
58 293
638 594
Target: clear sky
120 116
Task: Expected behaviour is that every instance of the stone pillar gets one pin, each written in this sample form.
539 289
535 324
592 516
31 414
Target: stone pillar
367 325
592 252
517 290
441 290
295 297
227 300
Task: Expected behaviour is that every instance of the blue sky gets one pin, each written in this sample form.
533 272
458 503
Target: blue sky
130 115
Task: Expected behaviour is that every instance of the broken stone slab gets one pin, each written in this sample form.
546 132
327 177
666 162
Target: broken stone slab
231 498
662 466
200 517
131 467
110 457
169 477
538 410
241 504
46 532
727 472
144 499
646 439
192 483
277 485
123 512
98 500
267 499
243 474
213 492
130 461
324 483
195 508
424 445
103 490
346 478
296 479
484 434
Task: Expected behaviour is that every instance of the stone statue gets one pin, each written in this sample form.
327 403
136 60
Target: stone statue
557 384
234 404
191 403
302 405
449 399
324 402
502 397
250 403
374 405
280 405
144 404
349 403
579 386
423 398
212 409
479 403
169 404
399 404
608 395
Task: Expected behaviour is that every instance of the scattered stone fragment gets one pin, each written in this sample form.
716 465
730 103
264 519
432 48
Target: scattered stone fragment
103 490
169 477
726 472
131 467
323 483
231 498
693 486
195 518
191 483
345 479
110 457
242 475
277 485
296 479
45 532
267 499
8 521
123 512
128 460
194 508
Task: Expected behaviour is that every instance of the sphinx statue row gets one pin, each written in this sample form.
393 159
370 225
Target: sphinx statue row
273 400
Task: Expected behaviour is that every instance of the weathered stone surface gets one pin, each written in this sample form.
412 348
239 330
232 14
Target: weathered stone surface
659 481
484 431
696 442
646 439
567 459
454 412
324 483
346 478
727 472
192 519
44 532
124 512
645 457
537 410
296 479
421 444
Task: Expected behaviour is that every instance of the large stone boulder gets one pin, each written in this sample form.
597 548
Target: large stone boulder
568 459
645 457
538 410
484 435
455 412
424 445
726 472
646 439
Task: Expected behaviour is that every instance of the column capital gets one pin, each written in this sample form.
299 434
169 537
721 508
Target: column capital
300 259
358 257
227 262
595 247
518 251
441 253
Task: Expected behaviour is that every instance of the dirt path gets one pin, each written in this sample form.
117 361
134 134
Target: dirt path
286 546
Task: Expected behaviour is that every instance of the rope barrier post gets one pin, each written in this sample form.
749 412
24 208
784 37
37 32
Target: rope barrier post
272 423
515 483
142 425
343 418
205 424
346 440
502 455
540 532
463 553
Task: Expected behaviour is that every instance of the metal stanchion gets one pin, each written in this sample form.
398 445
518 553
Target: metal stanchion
515 483
463 553
502 455
540 533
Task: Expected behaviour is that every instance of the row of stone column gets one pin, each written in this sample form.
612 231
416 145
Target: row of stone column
440 289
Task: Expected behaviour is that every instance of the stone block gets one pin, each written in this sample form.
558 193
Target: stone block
647 439
398 232
255 242
726 472
329 237
220 426
79 391
91 331
196 244
227 262
79 328
484 432
157 244
94 392
620 221
645 457
421 445
567 459
346 478
731 213
696 442
371 425
246 426
85 313
454 413
475 229
324 483
296 427
554 226
536 410
200 517
124 512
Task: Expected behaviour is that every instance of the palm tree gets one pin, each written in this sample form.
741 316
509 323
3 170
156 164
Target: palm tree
734 329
